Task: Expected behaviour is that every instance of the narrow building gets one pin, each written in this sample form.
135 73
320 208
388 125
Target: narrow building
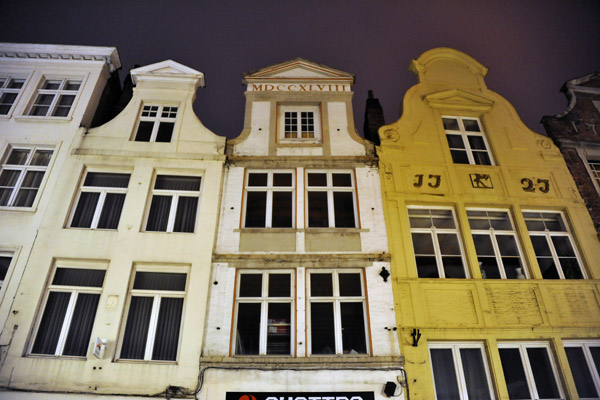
301 301
495 257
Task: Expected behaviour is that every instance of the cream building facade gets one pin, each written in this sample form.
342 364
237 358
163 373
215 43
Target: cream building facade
300 305
113 294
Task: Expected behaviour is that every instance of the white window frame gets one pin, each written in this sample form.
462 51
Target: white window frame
4 89
298 110
157 119
75 291
433 231
464 134
157 296
11 255
493 233
57 93
96 189
24 168
522 347
336 299
585 346
330 190
264 300
455 347
593 165
269 189
175 194
549 234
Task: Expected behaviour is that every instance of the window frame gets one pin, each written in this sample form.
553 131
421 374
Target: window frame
464 134
433 231
7 254
156 120
269 189
5 89
455 347
264 300
493 233
157 295
298 109
547 234
336 299
593 166
175 195
103 190
24 169
527 369
330 190
594 372
68 318
57 94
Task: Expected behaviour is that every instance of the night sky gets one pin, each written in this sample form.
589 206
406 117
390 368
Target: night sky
530 47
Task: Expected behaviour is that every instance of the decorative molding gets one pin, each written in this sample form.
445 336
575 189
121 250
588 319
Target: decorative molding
457 99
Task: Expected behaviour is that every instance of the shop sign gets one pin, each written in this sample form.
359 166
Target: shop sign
299 396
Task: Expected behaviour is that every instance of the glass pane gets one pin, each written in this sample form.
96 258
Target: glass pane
9 177
542 373
321 285
595 352
418 220
144 132
471 125
136 328
103 179
459 157
563 247
256 209
165 131
554 222
489 267
51 323
72 85
158 216
500 220
483 245
279 285
478 220
51 84
111 211
5 196
534 222
570 268
322 333
353 328
344 180
248 329
343 204
160 281
507 245
427 267
510 267
450 124
282 210
318 216
512 365
4 264
282 179
476 143
423 243
257 179
317 179
25 198
41 157
18 156
482 158
350 284
79 277
86 207
444 374
453 267
474 372
548 268
278 328
167 329
442 219
581 372
540 245
16 83
455 141
250 285
185 216
448 243
78 337
176 182
32 179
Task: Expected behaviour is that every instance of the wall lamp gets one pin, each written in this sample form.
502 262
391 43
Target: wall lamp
416 335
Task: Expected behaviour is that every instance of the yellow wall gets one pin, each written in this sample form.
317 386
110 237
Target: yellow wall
476 309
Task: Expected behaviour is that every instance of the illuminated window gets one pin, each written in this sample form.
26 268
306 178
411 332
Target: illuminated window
467 141
174 204
269 199
22 174
330 199
584 360
300 124
55 98
156 124
9 90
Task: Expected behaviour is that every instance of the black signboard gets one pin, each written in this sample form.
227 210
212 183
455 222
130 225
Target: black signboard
300 396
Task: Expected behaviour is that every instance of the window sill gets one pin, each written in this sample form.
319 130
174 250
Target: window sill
307 230
81 228
145 362
335 230
170 233
53 357
299 142
19 209
34 118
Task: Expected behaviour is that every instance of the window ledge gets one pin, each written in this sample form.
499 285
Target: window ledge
59 358
145 362
335 230
34 118
163 232
19 209
298 142
307 230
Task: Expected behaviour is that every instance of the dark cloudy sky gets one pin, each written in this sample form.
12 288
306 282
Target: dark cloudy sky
530 47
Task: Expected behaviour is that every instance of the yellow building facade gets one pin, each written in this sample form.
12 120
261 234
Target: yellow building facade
494 257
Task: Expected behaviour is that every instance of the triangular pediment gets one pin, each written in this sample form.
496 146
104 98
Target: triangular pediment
168 69
298 69
456 99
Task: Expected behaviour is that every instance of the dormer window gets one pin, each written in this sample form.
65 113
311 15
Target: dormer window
156 124
300 124
467 141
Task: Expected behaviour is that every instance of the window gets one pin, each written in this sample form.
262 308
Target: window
584 360
174 204
331 200
467 141
5 261
264 313
595 169
529 371
269 199
553 245
154 317
100 201
156 124
300 124
336 310
460 371
496 243
70 307
9 90
436 243
22 174
55 98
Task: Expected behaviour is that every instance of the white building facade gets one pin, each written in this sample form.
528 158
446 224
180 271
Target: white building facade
113 294
301 302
